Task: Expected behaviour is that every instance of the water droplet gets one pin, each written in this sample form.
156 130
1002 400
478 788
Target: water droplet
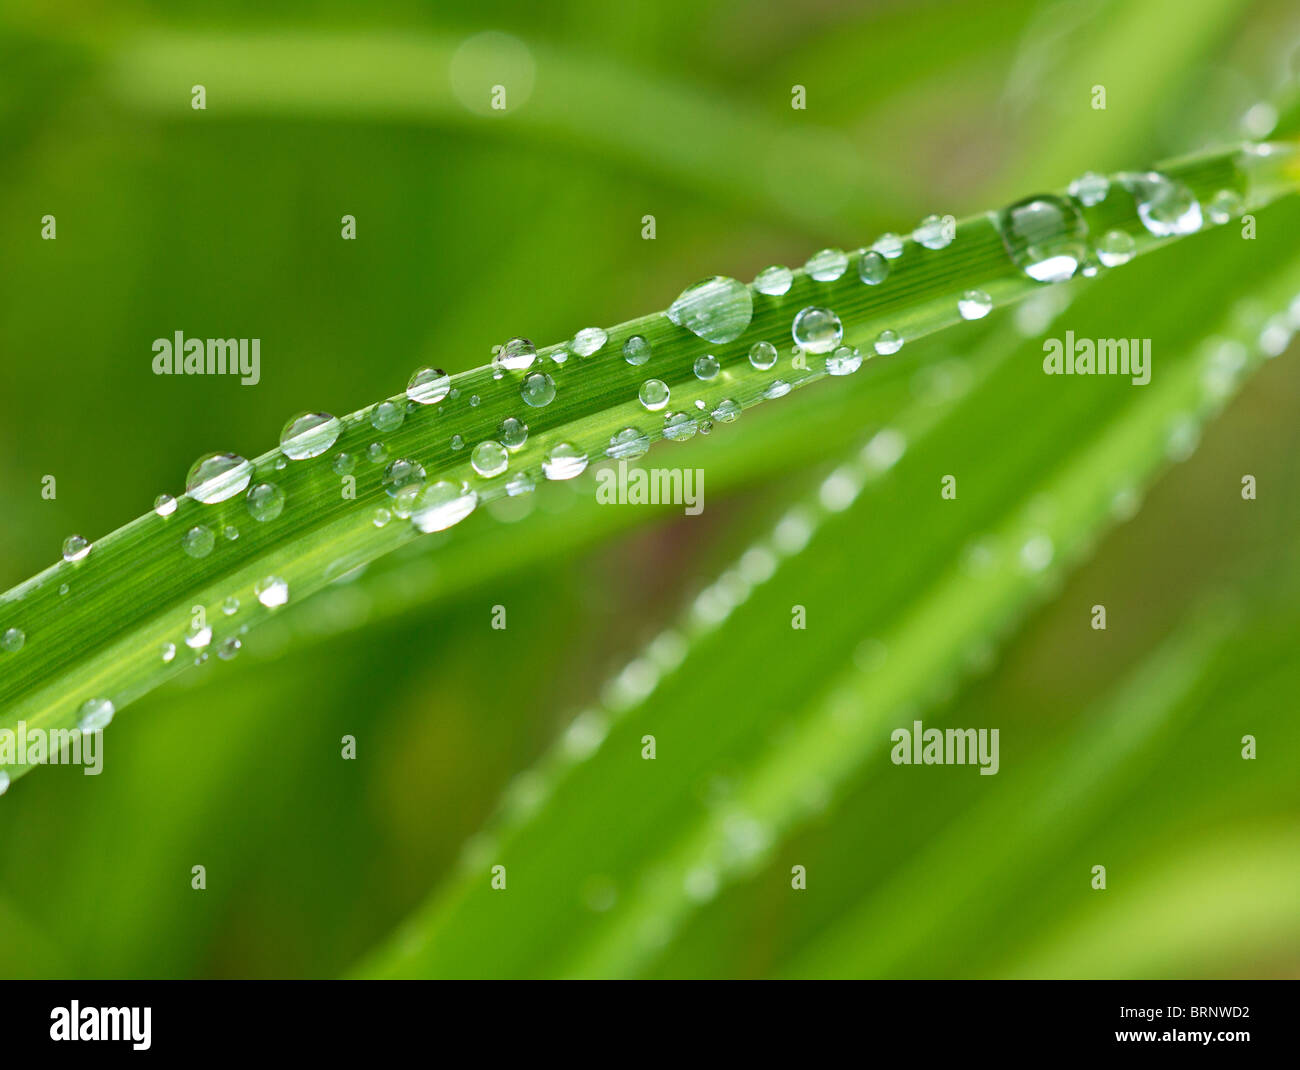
442 504
725 411
230 533
309 434
344 463
457 443
564 461
517 355
653 394
559 356
75 547
1090 188
167 652
271 591
1036 553
844 361
265 502
218 476
229 647
230 606
974 305
1116 247
198 636
627 444
1045 236
636 350
778 389
489 459
890 246
376 453
935 231
514 433
519 483
717 309
873 269
707 367
817 330
888 342
679 426
1166 207
827 265
428 386
95 715
538 390
588 340
164 505
402 473
387 416
12 640
198 541
1224 206
774 281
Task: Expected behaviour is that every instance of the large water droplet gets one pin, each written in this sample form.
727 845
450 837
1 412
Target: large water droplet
218 476
309 434
774 281
827 265
564 461
1166 208
265 502
75 547
442 504
636 350
164 505
428 385
271 591
538 390
588 340
517 355
817 330
974 305
717 309
1045 236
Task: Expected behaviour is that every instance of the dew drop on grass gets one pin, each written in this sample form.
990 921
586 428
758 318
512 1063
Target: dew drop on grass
198 541
12 640
827 265
844 361
718 309
265 502
538 390
428 386
888 343
402 473
489 459
778 389
890 246
198 636
1224 206
934 232
517 355
230 606
75 547
679 426
725 411
1090 188
707 367
272 591
229 647
588 340
344 463
442 504
381 517
519 483
376 453
1166 208
654 394
230 533
974 305
762 355
167 652
457 443
218 476
626 444
1045 237
164 505
387 416
774 281
636 350
95 715
309 434
1116 247
564 461
873 269
817 330
514 433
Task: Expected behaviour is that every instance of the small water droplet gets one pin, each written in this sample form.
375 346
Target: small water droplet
718 309
230 606
442 504
164 505
890 246
707 367
827 265
935 231
1116 247
778 389
679 426
198 541
654 394
75 547
627 444
229 647
1090 188
198 636
817 330
888 342
1045 236
873 269
774 281
517 355
402 473
636 350
559 356
844 361
762 355
457 443
1225 206
309 434
725 411
428 386
588 340
265 502
272 591
519 483
1036 553
344 463
167 652
1166 208
381 517
95 715
215 477
514 433
974 305
489 459
230 533
12 640
376 453
387 416
564 461
538 390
